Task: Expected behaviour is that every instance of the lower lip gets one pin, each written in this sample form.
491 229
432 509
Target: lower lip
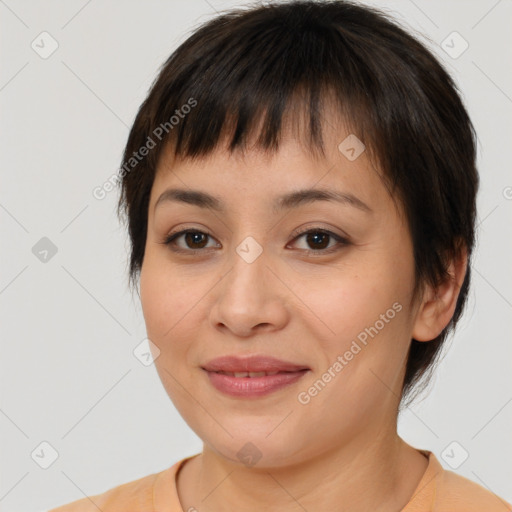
253 387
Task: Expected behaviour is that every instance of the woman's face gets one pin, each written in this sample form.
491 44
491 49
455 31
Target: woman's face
340 313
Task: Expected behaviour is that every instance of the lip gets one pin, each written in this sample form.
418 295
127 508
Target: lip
253 363
252 387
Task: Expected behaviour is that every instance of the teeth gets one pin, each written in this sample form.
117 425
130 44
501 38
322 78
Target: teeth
248 374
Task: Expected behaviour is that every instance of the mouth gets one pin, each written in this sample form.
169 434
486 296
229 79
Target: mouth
253 376
252 364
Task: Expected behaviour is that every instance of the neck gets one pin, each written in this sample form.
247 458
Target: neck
379 475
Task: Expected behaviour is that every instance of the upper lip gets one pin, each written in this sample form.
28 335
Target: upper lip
253 363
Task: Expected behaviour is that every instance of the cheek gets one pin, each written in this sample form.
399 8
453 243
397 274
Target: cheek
348 303
364 318
166 305
166 299
154 301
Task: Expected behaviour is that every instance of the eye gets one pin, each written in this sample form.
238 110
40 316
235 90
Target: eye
318 238
195 241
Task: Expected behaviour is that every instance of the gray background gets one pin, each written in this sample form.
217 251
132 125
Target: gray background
69 324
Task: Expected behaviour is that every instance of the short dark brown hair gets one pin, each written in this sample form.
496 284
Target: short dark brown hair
260 62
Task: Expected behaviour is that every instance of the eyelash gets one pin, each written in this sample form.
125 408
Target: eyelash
169 241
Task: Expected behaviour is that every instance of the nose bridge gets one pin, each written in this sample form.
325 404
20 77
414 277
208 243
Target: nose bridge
251 240
249 250
248 266
246 290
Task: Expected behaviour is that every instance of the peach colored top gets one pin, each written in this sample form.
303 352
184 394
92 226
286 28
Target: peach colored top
439 490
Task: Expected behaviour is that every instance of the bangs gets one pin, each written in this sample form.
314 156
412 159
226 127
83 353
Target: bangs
244 125
264 77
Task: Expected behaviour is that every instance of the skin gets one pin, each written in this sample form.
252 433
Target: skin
295 306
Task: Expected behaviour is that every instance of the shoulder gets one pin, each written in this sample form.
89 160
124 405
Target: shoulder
456 493
136 494
442 490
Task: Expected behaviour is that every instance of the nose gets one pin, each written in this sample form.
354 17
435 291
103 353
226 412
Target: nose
250 298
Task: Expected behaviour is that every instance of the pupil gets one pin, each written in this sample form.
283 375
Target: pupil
315 235
192 236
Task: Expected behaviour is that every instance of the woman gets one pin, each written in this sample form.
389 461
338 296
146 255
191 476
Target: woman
300 191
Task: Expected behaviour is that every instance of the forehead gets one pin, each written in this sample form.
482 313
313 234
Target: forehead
344 167
288 179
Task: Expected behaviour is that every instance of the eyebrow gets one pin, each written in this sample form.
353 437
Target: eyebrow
290 200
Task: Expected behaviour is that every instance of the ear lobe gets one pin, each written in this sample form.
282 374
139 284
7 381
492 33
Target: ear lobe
438 304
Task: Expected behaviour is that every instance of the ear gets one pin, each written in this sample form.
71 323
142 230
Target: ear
438 304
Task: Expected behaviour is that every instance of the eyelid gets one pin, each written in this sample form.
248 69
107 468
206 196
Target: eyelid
316 228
